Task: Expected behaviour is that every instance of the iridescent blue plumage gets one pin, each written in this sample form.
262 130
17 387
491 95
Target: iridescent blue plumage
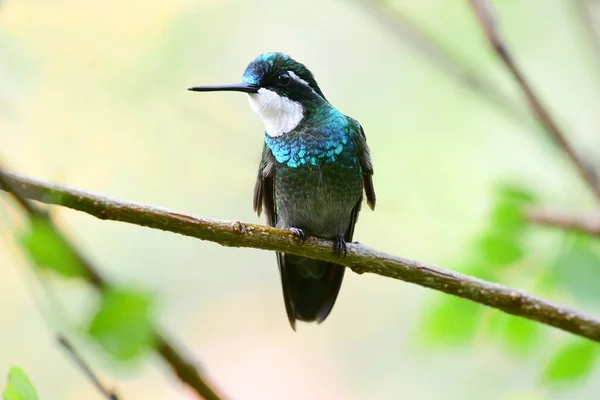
257 68
267 66
329 142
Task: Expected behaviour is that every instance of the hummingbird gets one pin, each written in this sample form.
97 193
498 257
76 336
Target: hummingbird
314 168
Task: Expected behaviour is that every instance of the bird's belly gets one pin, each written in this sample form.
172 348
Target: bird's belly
318 200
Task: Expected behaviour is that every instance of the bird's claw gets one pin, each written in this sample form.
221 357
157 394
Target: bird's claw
299 233
339 247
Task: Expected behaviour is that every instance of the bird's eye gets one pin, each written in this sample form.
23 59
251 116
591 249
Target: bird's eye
284 79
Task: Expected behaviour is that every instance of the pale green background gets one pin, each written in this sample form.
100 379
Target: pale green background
92 94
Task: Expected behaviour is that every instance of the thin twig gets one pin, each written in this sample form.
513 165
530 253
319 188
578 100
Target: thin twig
64 342
360 258
584 222
584 9
437 54
181 367
486 18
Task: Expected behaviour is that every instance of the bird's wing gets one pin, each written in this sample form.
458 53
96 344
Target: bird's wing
264 199
364 158
264 196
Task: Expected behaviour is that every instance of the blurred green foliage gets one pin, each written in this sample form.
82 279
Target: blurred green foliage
18 387
122 325
518 335
452 321
503 241
455 321
50 250
572 361
506 241
577 268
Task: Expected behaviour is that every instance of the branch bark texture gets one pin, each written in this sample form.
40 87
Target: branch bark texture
360 258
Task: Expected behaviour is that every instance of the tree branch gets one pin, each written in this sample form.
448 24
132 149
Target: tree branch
584 9
360 258
483 11
584 222
432 50
66 344
184 369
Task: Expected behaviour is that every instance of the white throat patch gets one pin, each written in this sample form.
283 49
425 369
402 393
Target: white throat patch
279 114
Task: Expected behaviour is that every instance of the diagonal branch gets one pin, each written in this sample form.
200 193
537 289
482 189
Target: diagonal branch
360 258
584 222
183 368
485 15
585 9
437 54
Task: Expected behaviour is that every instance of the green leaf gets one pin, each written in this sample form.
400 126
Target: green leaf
507 214
577 268
515 194
452 321
50 250
572 361
123 325
498 249
478 268
502 242
19 387
519 335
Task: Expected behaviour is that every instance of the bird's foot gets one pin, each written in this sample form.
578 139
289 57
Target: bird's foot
339 247
299 233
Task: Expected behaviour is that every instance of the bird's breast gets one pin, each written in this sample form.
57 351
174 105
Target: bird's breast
318 199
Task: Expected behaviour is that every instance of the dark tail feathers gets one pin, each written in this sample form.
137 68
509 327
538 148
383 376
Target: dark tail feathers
310 287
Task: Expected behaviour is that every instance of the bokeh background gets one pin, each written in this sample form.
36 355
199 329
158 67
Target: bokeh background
92 94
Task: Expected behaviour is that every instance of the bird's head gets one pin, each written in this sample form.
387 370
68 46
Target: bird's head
281 91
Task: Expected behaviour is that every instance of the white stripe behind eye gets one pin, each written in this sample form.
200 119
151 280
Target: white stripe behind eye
297 78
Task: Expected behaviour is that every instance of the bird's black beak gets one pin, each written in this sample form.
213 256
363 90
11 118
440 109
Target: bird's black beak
239 87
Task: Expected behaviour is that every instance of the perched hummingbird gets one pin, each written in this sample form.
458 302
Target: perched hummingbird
315 165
